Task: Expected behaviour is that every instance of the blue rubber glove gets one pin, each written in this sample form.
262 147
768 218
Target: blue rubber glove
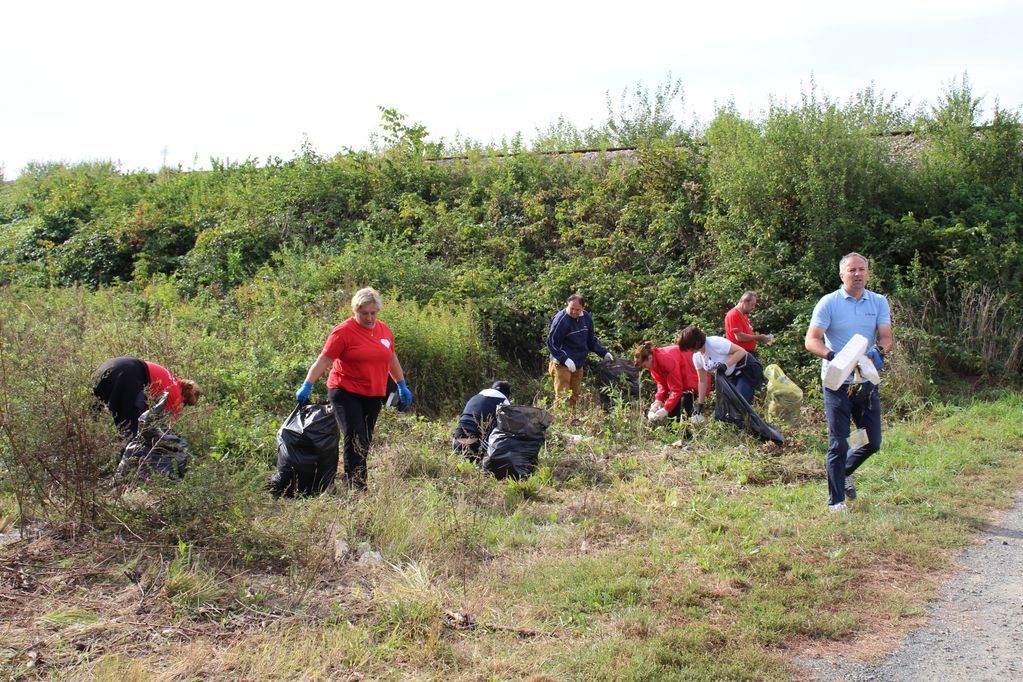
404 395
302 394
876 358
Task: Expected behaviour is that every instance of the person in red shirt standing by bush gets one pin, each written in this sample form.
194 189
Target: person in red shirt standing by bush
738 329
123 384
360 355
676 377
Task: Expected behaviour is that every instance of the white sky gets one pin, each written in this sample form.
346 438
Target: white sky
141 82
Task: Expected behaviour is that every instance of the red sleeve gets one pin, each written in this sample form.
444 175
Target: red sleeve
669 378
336 342
662 386
732 325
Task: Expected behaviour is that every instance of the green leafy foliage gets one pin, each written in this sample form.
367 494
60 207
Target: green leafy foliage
666 235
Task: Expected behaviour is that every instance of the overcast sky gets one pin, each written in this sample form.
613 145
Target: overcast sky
143 83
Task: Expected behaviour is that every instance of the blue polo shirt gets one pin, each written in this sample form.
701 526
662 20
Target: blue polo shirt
841 317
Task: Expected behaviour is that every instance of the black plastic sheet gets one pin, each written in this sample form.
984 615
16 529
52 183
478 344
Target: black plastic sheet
307 451
514 445
617 377
732 407
156 449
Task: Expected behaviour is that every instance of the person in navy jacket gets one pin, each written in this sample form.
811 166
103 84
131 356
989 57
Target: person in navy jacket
569 341
477 420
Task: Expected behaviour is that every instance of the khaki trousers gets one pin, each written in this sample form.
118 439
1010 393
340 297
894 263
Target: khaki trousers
566 384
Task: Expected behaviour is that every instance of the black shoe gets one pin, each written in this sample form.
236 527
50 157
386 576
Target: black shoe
850 490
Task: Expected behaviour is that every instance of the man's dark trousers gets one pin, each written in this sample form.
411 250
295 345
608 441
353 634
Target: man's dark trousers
862 404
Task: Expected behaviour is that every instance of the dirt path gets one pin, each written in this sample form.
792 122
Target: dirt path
974 629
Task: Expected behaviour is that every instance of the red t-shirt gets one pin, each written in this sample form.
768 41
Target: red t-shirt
160 380
736 321
362 357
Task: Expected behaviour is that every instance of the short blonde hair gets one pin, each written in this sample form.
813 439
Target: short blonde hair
364 296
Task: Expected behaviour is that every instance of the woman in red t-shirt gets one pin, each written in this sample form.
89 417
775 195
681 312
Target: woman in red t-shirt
360 355
123 384
676 379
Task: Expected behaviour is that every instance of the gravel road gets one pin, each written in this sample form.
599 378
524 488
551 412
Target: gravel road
974 629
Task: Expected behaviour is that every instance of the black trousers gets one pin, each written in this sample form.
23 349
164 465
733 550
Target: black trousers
684 405
121 386
356 417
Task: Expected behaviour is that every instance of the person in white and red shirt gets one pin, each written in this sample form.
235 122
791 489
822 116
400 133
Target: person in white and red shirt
360 355
124 385
711 353
738 329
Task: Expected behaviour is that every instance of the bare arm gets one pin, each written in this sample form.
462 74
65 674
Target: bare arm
395 370
759 338
317 369
814 341
735 355
884 337
701 394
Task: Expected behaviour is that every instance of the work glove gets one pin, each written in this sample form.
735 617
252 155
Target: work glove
770 339
655 405
657 416
729 369
302 394
609 357
875 356
571 365
404 394
698 414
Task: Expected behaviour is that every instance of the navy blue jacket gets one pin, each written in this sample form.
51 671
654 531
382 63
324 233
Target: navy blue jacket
573 338
477 419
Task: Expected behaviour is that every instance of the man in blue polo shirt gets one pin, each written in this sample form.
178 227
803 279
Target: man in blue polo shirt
853 309
570 340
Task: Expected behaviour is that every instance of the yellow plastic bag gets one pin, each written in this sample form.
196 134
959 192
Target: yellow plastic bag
784 398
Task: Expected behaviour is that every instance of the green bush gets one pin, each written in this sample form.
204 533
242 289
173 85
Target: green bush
667 235
226 255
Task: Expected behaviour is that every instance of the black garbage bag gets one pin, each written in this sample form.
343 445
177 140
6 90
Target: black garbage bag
513 448
617 377
306 451
732 407
155 450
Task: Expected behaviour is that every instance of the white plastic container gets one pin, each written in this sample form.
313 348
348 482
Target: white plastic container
857 439
845 362
868 371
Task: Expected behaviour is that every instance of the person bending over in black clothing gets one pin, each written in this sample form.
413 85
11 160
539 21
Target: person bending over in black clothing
477 420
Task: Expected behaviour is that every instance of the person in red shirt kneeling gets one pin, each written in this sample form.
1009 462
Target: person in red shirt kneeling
360 355
676 379
123 385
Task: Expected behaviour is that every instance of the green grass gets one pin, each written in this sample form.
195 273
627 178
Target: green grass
622 558
667 568
65 617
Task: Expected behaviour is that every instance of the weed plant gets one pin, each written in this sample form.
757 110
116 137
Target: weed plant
624 556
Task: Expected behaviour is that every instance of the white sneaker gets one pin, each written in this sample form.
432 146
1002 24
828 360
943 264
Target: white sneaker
838 508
